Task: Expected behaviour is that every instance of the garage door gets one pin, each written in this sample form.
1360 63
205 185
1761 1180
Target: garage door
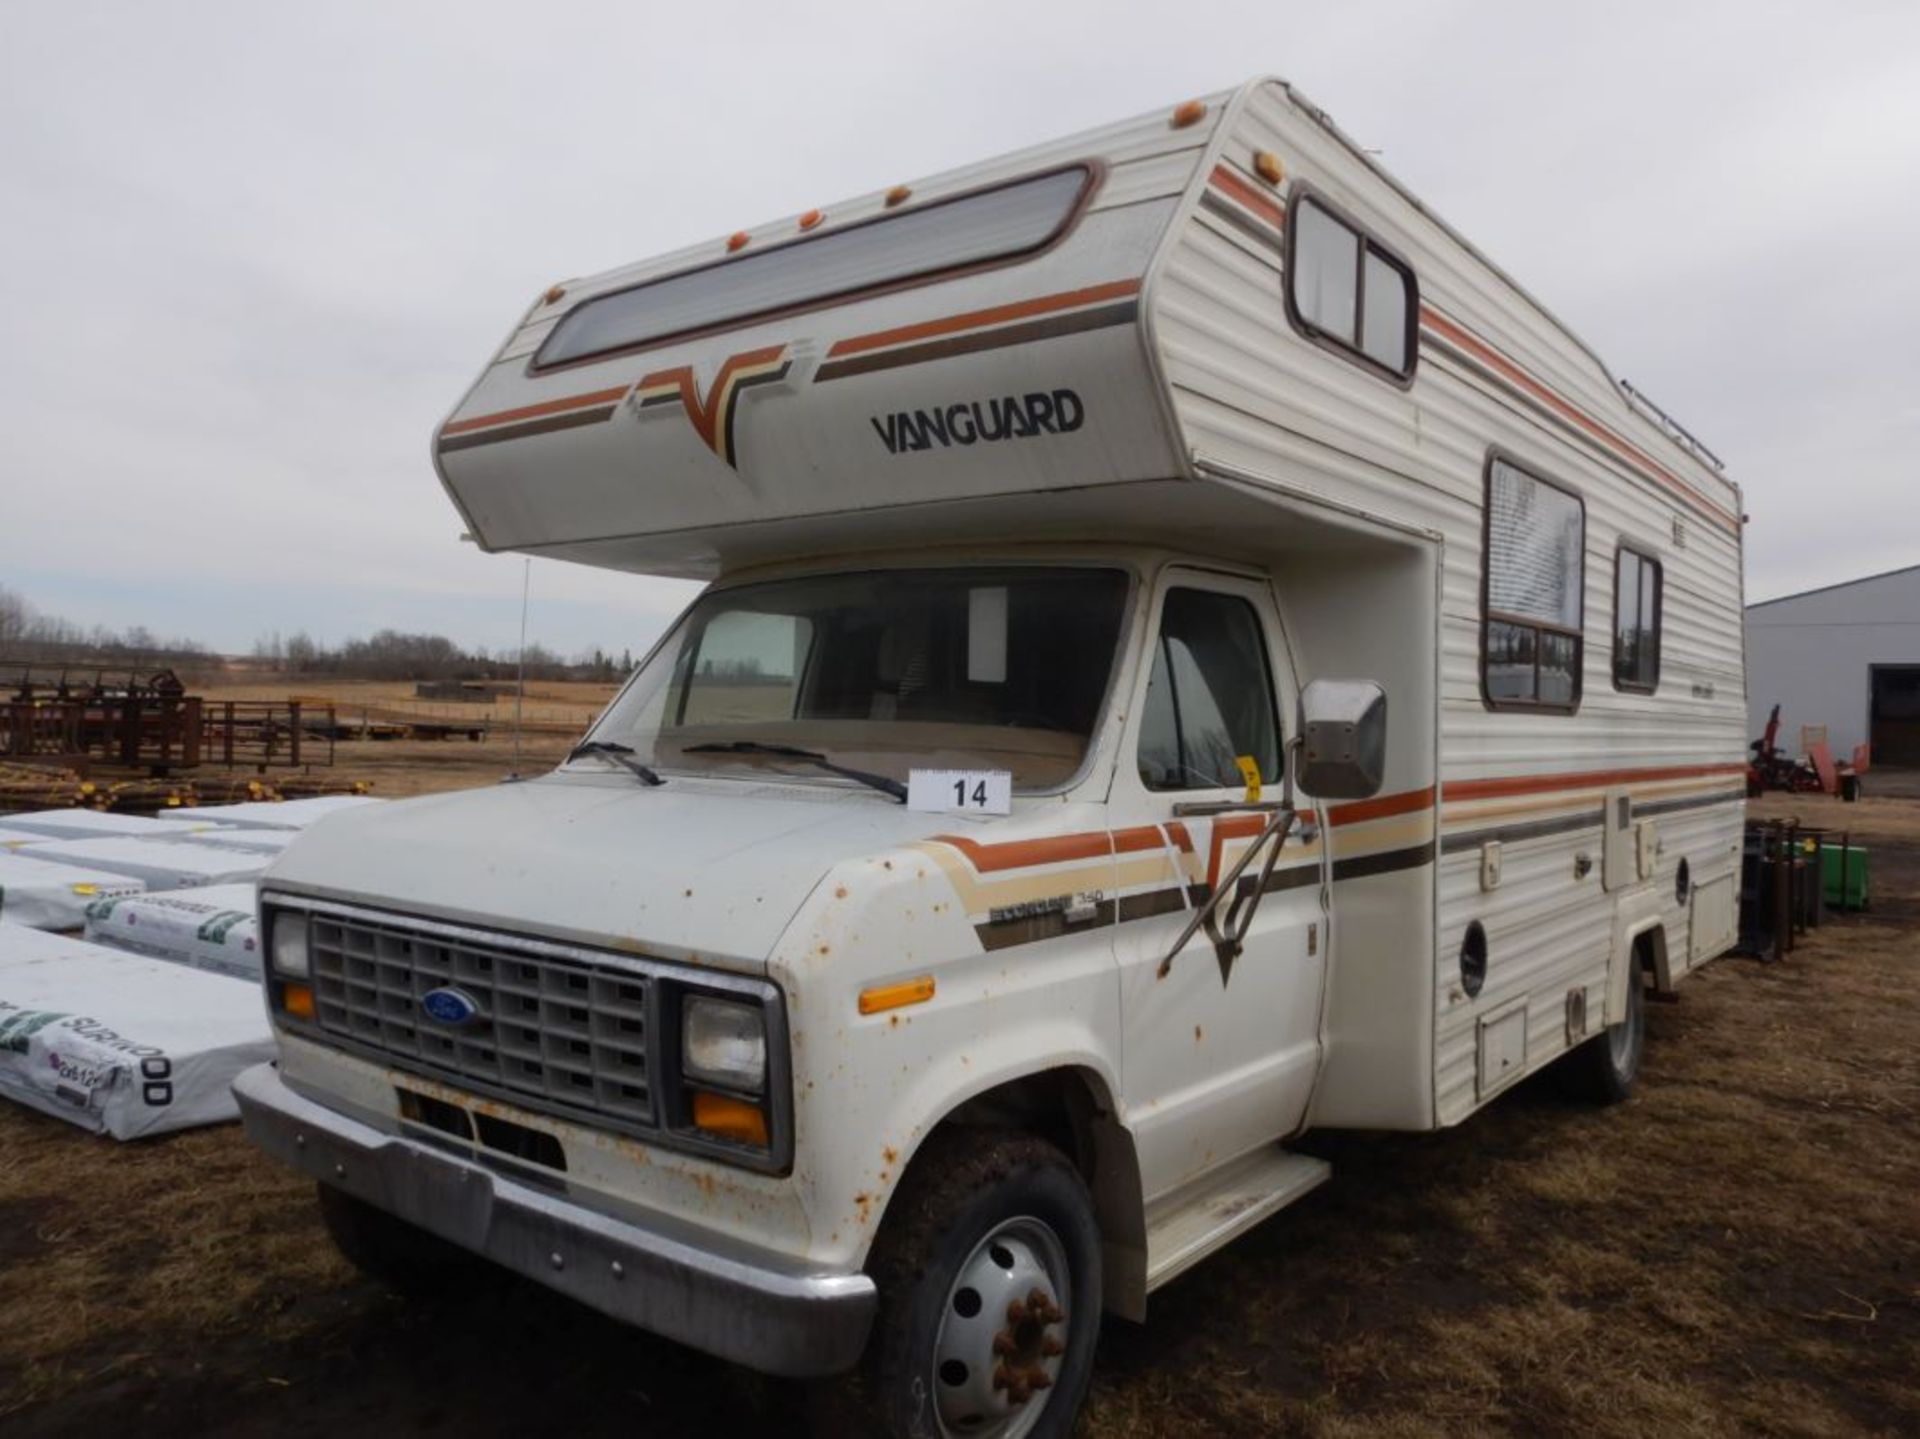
1896 714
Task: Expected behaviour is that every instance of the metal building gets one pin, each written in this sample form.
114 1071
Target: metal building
1846 656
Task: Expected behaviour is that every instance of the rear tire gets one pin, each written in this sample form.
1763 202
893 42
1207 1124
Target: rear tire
400 1255
1603 1070
988 1267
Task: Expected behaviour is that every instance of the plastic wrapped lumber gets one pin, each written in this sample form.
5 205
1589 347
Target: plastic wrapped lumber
118 1043
216 928
55 896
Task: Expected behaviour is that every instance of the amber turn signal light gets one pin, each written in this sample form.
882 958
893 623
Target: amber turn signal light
297 1000
730 1118
883 997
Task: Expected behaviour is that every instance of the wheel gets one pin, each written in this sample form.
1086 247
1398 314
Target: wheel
988 1267
398 1254
1602 1070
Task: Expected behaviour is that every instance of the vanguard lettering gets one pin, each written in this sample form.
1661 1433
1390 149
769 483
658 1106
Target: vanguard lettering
1015 417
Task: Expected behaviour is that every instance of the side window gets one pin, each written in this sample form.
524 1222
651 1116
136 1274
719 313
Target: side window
1344 288
1210 696
1637 586
1531 649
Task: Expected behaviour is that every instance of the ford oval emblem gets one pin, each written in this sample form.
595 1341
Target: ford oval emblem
453 1007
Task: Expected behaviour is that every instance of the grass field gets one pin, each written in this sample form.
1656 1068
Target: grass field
1736 1250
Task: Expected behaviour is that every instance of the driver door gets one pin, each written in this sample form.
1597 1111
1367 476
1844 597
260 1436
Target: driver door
1220 1051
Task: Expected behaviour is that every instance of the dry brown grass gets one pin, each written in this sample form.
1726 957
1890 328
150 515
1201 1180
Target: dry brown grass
1736 1250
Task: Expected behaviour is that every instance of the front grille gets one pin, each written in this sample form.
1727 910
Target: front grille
558 1032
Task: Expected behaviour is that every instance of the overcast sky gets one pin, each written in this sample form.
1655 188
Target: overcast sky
250 254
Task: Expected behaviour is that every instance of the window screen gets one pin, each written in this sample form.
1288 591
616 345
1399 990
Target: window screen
1637 583
1536 553
1209 697
1345 288
989 225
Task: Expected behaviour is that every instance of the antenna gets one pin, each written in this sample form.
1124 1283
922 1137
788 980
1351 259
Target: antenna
520 684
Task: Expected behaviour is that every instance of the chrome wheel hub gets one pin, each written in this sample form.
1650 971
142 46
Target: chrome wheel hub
1003 1333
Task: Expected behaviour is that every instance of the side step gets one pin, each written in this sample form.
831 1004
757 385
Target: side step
1189 1224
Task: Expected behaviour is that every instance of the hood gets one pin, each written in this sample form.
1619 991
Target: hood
694 869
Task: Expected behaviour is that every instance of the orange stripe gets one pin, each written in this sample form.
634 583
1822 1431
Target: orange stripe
979 319
1239 189
528 412
1451 331
1021 853
1177 832
1128 841
1386 805
1590 779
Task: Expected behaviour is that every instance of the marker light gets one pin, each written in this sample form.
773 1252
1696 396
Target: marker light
810 219
737 241
1188 113
1267 166
898 195
883 997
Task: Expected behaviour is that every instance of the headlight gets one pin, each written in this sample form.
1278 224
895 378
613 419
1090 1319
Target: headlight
290 946
723 1043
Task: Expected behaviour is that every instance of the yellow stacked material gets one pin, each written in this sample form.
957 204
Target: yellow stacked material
29 787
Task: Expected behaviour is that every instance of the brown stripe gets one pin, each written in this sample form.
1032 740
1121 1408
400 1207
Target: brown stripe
1231 183
993 315
1589 779
529 412
1386 805
1242 222
521 432
1073 324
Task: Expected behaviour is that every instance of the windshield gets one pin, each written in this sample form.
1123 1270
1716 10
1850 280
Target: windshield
886 671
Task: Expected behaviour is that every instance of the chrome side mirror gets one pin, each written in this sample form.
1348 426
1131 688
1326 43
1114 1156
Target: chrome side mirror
1343 739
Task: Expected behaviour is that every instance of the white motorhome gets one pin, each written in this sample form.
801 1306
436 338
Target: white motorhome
1195 653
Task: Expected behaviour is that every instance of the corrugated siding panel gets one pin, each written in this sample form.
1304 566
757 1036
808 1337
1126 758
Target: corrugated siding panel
1251 392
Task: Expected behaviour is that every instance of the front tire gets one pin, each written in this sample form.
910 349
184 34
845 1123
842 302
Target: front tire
386 1248
990 1293
1603 1070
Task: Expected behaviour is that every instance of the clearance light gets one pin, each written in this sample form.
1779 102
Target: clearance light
730 1118
297 1000
1267 166
1188 113
898 195
737 241
555 295
810 219
883 997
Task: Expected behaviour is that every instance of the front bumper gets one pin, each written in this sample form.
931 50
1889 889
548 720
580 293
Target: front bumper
742 1304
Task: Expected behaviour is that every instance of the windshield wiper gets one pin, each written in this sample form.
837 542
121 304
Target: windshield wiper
813 757
619 754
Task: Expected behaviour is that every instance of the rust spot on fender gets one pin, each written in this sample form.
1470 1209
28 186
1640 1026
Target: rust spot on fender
865 1203
840 893
889 1153
1198 1034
